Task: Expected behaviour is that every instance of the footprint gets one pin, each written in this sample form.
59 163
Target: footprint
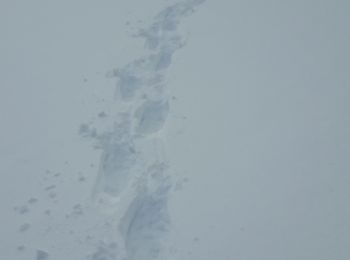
151 116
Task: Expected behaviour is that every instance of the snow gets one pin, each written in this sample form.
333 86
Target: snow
144 218
126 215
42 255
209 130
151 117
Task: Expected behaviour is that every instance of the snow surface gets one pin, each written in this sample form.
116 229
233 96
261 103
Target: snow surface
130 194
174 129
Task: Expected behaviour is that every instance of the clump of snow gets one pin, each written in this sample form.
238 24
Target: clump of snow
42 255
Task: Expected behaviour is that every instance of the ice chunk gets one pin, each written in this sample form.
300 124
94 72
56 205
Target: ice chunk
151 116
